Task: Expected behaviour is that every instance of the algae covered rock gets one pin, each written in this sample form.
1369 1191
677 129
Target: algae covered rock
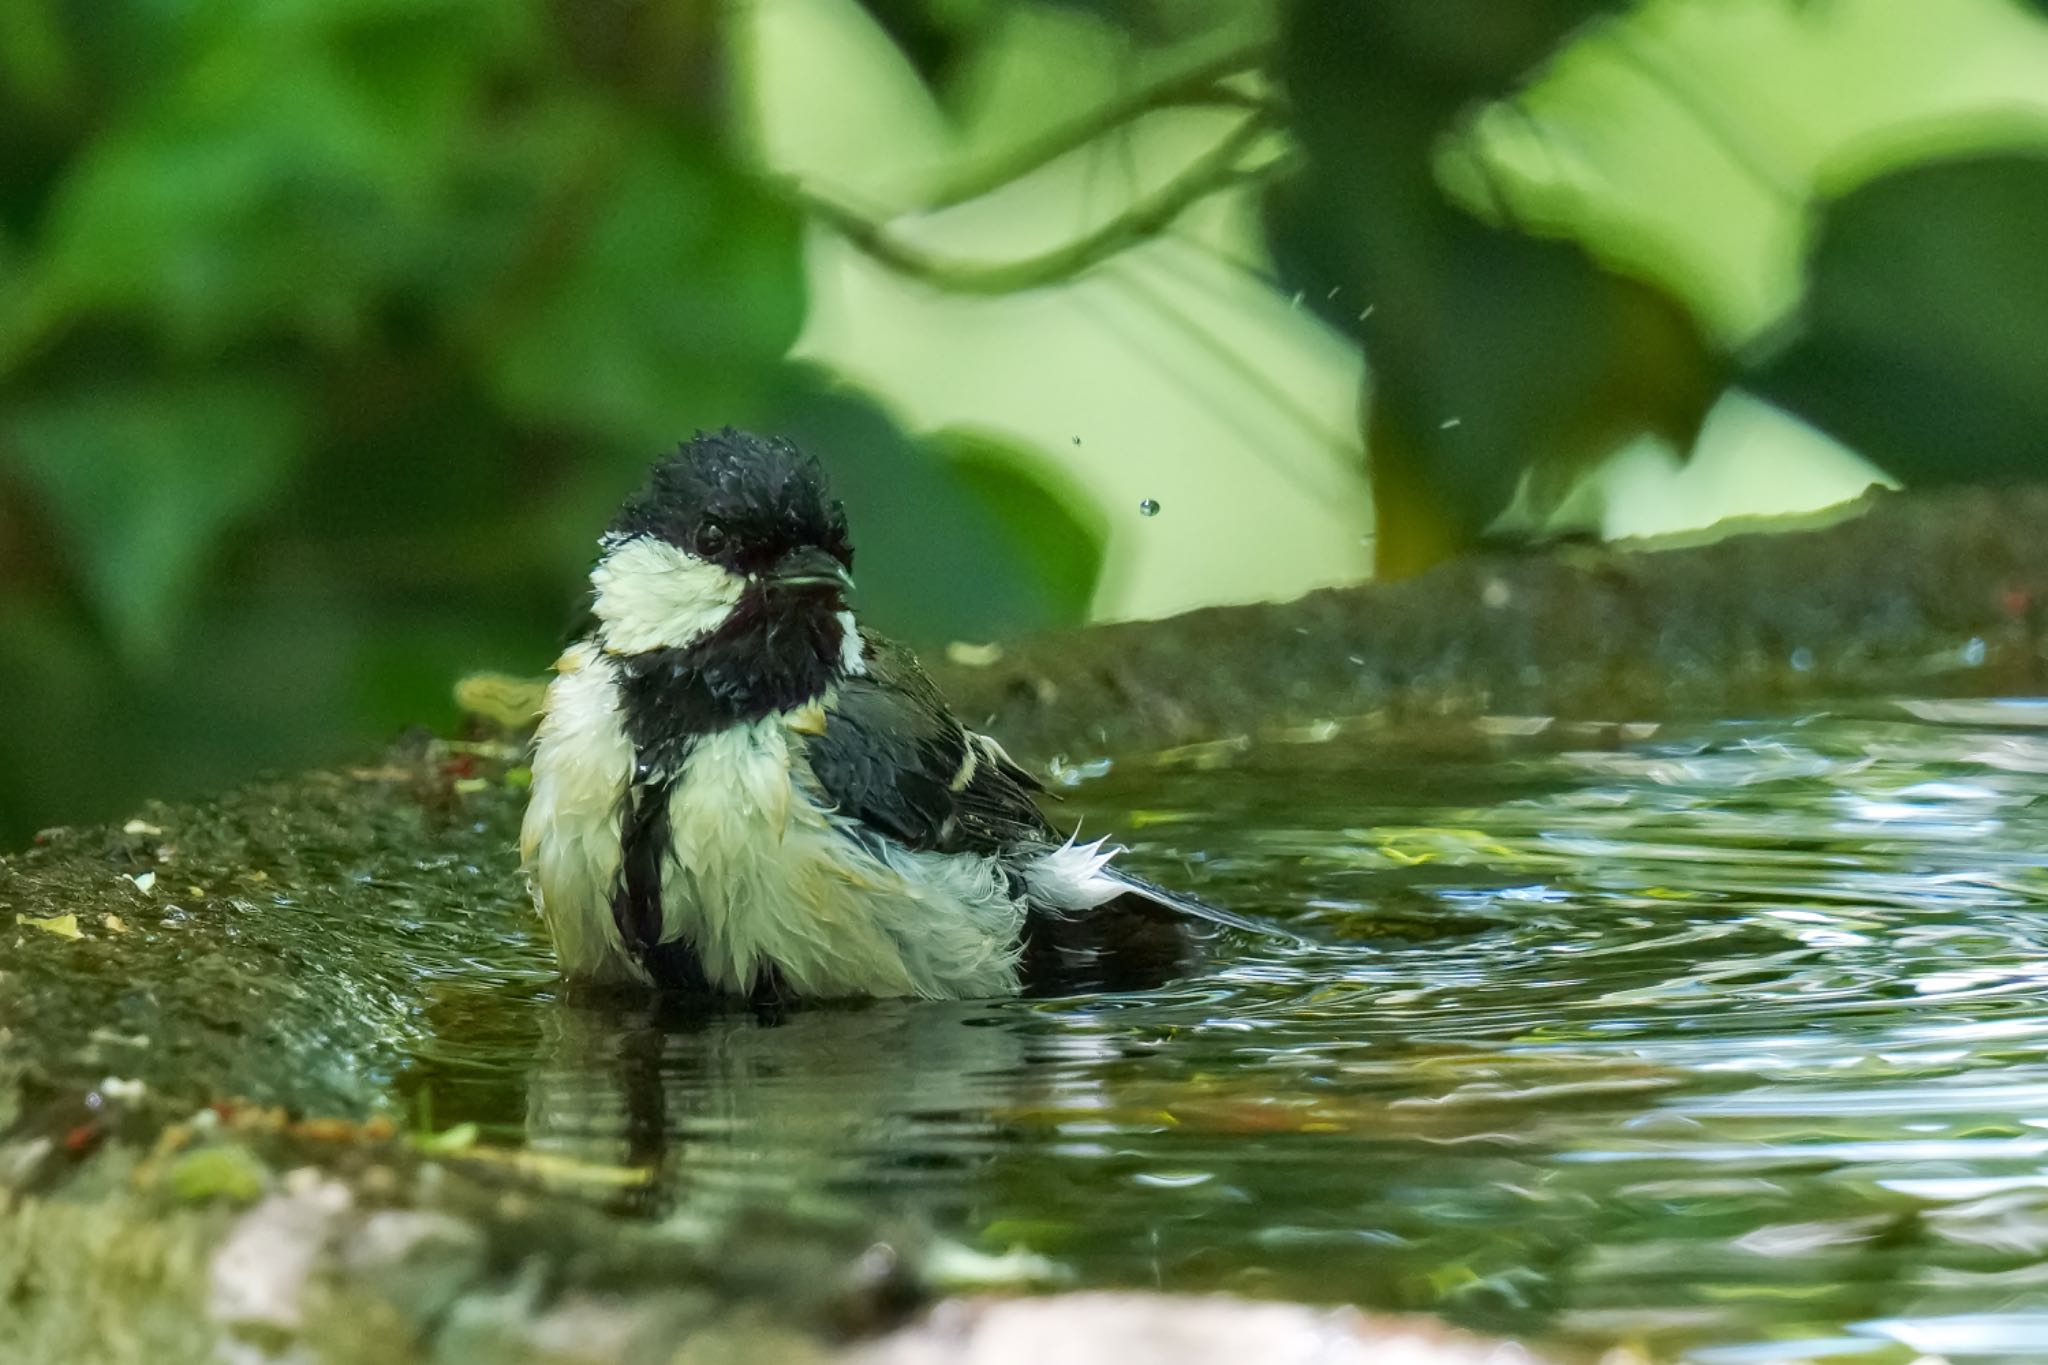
283 944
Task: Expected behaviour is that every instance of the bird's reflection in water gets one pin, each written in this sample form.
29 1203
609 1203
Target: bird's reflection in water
715 1106
793 1109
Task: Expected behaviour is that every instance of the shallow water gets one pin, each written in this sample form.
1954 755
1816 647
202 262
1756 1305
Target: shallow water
1728 1038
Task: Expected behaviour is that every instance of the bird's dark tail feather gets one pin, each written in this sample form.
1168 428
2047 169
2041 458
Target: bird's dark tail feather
1187 905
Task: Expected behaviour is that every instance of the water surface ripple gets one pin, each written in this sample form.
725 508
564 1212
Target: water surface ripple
1729 1038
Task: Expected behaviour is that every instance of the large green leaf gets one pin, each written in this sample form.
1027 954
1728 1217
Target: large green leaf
145 479
1500 361
1923 341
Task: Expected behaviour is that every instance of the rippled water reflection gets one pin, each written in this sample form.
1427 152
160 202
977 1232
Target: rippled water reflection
1730 1038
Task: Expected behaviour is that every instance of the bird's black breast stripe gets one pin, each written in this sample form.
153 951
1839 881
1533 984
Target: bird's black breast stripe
646 845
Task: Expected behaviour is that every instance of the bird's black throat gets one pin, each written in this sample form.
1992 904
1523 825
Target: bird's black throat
776 651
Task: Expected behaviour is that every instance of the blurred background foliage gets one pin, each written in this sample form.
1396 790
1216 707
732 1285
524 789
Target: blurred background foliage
331 330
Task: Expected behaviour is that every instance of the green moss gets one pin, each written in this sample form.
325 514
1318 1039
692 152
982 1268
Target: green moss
228 1173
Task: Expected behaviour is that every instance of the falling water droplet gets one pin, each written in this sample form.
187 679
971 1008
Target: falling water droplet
1149 507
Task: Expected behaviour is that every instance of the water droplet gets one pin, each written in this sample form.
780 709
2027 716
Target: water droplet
1973 653
1802 660
1149 507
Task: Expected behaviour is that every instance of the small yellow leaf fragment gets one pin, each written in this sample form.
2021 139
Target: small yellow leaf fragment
505 700
1401 859
114 924
969 655
63 926
460 1138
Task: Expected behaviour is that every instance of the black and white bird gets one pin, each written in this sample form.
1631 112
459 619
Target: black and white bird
738 791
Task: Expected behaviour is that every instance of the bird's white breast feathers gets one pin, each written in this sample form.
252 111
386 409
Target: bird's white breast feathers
762 870
569 842
765 875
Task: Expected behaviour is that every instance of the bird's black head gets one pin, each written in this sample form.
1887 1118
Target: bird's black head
721 592
740 501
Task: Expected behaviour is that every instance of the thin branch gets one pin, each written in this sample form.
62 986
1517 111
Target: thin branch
1214 171
1201 84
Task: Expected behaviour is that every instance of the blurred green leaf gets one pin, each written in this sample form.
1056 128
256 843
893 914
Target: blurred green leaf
222 217
145 479
285 177
1923 341
1500 361
35 68
86 736
681 277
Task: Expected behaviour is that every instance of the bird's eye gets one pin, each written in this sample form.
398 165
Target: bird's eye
711 541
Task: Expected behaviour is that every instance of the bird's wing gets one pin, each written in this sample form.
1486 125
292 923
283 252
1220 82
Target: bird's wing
892 756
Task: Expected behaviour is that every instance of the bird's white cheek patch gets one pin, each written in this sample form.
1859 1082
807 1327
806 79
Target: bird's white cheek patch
651 595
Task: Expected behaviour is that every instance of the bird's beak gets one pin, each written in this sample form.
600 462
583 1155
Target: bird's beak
810 568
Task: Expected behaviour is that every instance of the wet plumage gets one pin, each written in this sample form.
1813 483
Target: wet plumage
737 791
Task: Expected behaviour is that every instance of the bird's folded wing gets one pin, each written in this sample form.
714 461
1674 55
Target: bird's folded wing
893 757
